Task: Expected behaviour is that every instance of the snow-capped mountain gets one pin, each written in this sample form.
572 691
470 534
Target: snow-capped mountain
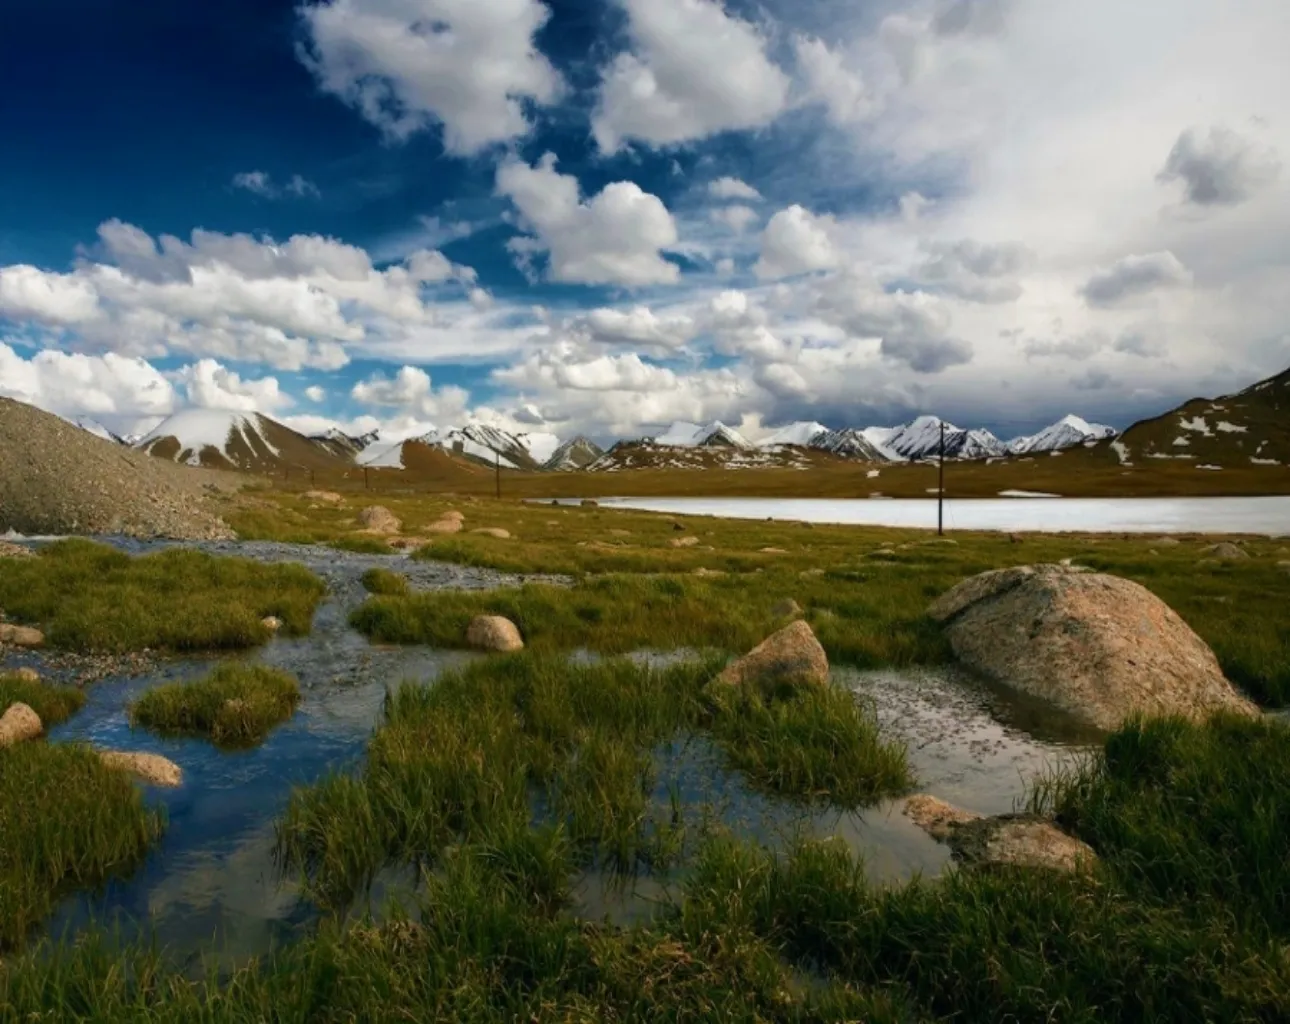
225 439
802 434
691 435
96 428
489 445
850 444
921 439
345 445
1067 432
576 453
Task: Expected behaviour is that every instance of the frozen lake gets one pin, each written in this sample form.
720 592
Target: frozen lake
1092 515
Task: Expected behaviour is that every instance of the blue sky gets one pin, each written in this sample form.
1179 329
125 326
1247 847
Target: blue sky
604 216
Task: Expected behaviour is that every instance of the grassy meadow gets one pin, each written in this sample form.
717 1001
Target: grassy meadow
510 781
236 705
53 704
91 598
864 590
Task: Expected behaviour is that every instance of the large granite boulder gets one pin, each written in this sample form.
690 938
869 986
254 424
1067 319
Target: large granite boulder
1100 647
792 656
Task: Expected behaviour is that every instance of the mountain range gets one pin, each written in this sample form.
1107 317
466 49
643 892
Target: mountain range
1253 424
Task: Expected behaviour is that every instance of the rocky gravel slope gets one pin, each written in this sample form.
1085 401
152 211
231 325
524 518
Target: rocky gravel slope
57 478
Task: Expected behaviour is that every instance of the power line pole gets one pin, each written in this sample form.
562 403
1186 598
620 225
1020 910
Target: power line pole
940 490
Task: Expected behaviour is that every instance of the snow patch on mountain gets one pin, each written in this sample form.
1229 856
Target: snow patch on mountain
683 434
803 434
1068 432
199 429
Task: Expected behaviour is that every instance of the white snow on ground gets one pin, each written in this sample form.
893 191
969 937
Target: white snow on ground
198 429
1197 424
1122 452
1264 462
874 473
1181 442
1026 494
1209 467
1231 428
93 427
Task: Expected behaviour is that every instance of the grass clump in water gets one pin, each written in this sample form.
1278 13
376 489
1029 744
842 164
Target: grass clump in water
54 704
235 706
90 597
361 545
66 822
478 752
386 582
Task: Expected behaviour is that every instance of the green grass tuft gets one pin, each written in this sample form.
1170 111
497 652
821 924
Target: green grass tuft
469 756
92 598
386 582
54 704
235 706
361 545
66 822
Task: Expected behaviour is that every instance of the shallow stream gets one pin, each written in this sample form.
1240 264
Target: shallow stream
211 883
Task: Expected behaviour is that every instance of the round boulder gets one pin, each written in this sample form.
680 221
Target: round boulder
19 723
494 633
20 636
150 768
380 519
791 656
445 525
272 623
684 542
496 532
25 675
1100 647
1227 552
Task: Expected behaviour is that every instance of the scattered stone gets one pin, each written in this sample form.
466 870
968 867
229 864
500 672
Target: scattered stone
773 551
8 550
17 724
1100 647
882 553
1019 840
1167 542
23 675
1227 552
272 623
620 533
590 503
786 608
445 525
709 572
453 515
407 543
495 532
807 573
20 636
684 542
380 519
946 542
494 633
791 656
150 768
678 527
936 817
330 497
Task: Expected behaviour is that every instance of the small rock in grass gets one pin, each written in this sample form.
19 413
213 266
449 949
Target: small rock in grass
20 636
494 633
1284 566
330 497
380 519
786 608
936 817
150 768
590 503
17 724
454 515
1015 538
272 623
1227 552
25 675
791 656
773 551
811 572
495 532
1166 542
678 527
620 533
8 550
445 525
684 542
709 572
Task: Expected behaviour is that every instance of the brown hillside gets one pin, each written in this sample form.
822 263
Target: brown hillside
58 479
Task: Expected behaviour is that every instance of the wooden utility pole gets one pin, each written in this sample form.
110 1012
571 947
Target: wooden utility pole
940 490
498 457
